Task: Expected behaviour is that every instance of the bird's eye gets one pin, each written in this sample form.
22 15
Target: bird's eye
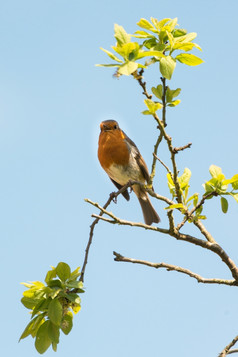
115 126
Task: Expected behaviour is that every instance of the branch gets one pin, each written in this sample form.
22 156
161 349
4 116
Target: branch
138 77
181 148
227 350
162 163
170 267
214 247
112 197
152 175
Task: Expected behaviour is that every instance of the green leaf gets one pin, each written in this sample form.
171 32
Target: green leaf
176 205
56 283
40 306
43 341
29 303
224 204
150 53
63 271
167 66
55 312
111 55
75 274
152 106
67 323
145 24
51 274
185 178
187 38
73 297
142 34
33 326
179 32
53 332
158 91
162 22
174 103
189 59
146 112
107 65
171 94
75 285
235 195
121 35
233 180
128 68
215 171
172 23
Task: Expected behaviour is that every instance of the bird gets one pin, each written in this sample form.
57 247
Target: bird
122 161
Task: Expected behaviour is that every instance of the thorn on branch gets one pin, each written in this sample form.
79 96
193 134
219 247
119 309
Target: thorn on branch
181 148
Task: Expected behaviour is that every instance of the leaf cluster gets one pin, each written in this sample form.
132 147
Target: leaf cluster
51 306
219 186
160 41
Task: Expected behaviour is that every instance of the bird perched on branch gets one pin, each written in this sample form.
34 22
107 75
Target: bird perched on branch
122 161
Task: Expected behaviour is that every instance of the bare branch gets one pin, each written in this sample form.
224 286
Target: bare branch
152 175
181 148
139 77
227 350
162 163
170 267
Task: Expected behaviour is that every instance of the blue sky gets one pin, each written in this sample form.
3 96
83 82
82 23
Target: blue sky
52 100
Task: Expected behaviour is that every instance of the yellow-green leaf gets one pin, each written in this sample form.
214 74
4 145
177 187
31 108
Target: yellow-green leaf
167 66
43 341
111 55
152 106
145 24
189 59
121 35
128 68
224 204
55 312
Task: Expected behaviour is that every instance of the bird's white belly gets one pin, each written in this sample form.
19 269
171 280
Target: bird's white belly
122 174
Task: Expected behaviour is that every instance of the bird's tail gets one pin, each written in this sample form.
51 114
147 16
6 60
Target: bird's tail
149 213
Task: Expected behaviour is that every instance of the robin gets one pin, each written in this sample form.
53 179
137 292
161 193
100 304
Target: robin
122 161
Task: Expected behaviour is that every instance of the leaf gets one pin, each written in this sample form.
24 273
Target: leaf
146 112
185 177
189 59
107 65
174 103
53 332
152 106
142 34
63 271
162 22
171 94
51 274
67 323
215 171
179 32
150 53
75 274
233 181
43 341
128 68
145 24
187 38
55 312
33 325
75 285
172 23
235 195
29 303
158 91
167 66
111 55
176 205
224 204
121 35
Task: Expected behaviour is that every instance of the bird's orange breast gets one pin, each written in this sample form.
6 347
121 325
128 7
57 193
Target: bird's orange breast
112 149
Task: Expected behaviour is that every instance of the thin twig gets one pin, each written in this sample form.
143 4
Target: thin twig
112 197
226 350
181 148
162 163
152 175
170 267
